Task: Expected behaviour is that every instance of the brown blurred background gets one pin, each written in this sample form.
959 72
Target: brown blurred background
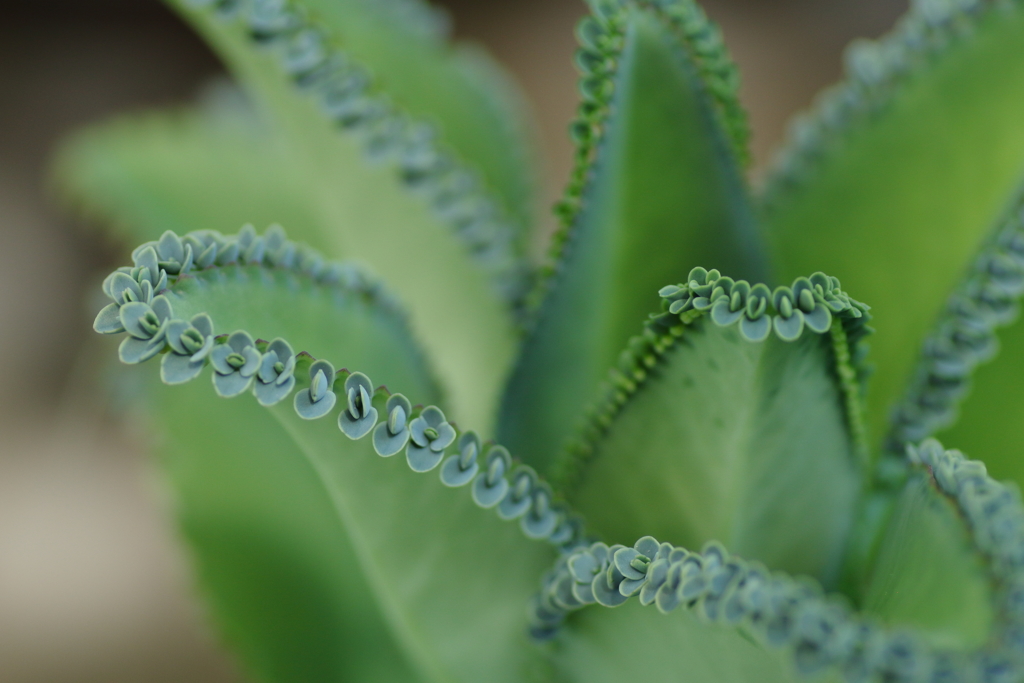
93 586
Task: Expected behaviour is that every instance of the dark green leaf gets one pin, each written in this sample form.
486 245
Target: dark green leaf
663 195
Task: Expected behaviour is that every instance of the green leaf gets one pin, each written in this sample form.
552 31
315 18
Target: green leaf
742 442
476 105
900 172
444 570
214 167
967 561
964 386
273 562
990 418
927 575
443 246
440 568
601 646
662 193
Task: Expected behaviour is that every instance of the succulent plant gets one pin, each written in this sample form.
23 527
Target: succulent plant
676 416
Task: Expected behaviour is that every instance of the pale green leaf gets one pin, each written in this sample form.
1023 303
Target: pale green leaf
212 167
439 568
926 574
273 561
374 216
478 108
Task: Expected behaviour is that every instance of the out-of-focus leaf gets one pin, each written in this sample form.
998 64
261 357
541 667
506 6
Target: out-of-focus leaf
375 216
212 167
476 105
913 162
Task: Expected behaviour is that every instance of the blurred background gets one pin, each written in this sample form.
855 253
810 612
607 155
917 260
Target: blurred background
93 586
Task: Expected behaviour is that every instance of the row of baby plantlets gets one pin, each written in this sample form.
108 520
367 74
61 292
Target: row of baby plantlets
820 632
815 304
964 337
346 94
602 39
875 70
269 371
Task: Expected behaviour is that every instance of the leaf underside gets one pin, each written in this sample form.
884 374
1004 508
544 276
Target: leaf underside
663 195
896 201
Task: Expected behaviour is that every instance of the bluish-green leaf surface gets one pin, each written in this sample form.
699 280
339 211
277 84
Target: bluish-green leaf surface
927 575
899 199
215 166
373 216
664 195
428 554
458 86
734 441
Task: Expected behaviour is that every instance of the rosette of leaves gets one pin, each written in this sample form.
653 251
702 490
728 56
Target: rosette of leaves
681 466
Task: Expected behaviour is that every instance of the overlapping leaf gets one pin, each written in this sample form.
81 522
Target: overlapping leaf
390 194
895 180
718 428
427 553
657 191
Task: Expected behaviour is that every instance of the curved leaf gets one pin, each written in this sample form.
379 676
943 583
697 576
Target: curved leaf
391 197
965 385
811 633
657 191
894 181
476 105
926 574
706 434
441 569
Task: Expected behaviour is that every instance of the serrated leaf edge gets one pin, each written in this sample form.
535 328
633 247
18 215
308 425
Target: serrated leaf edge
964 336
686 303
876 71
347 95
429 436
602 37
820 632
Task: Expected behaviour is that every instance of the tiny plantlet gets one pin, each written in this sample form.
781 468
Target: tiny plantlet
667 453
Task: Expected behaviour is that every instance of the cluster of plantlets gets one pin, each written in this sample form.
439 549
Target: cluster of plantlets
741 417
